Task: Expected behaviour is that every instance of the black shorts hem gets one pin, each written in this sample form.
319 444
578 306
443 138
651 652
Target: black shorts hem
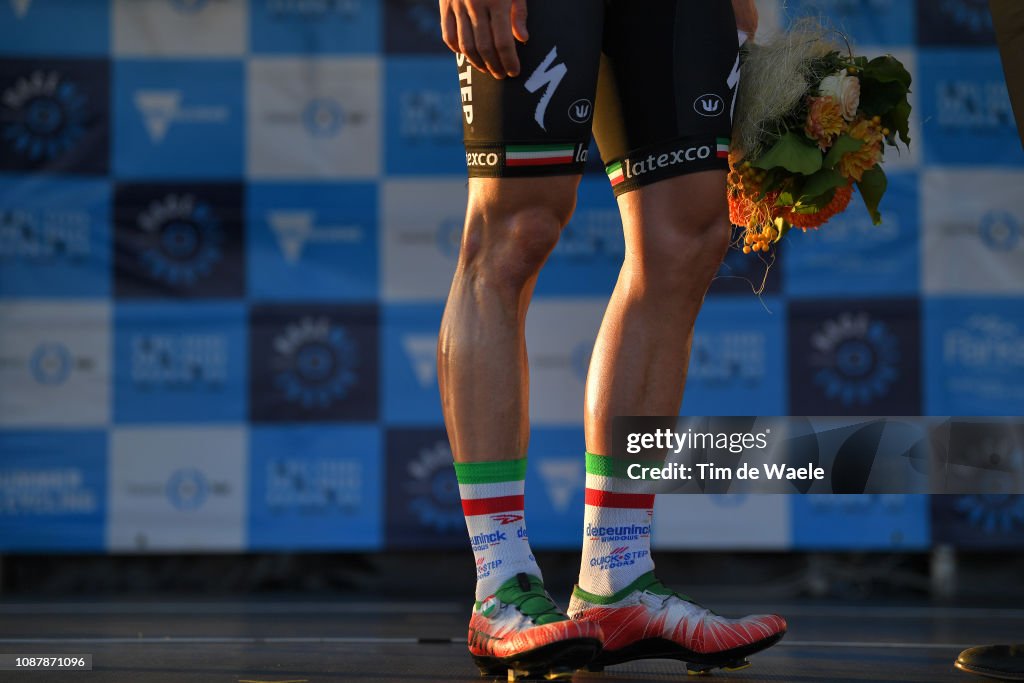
664 160
523 160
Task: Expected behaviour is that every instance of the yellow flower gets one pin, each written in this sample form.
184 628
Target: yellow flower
854 164
824 121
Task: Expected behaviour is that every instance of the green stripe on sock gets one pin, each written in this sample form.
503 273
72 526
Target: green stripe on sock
490 472
604 466
648 582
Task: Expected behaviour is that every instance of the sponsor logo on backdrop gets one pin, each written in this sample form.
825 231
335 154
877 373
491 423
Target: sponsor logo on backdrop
316 362
46 491
42 235
410 26
729 357
45 115
434 492
183 239
992 514
955 21
162 108
974 104
421 350
189 6
187 489
857 358
563 477
592 234
1000 231
179 361
429 115
320 117
51 363
314 8
448 237
984 341
295 229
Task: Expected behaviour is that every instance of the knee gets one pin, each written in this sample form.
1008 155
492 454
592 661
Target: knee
685 255
506 244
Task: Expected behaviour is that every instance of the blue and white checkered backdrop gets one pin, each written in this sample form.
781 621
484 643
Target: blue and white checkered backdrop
227 229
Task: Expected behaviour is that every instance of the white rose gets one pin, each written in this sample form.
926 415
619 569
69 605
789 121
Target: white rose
845 90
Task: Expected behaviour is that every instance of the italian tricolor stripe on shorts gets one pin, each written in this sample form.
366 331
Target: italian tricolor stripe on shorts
615 172
538 155
723 148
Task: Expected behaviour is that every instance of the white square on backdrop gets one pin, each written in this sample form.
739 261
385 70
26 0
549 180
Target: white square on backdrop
180 28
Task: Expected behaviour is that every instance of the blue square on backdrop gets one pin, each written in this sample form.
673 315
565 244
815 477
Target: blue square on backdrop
412 26
954 22
854 357
179 240
180 363
862 522
738 359
422 505
971 359
410 364
867 22
850 257
980 522
172 124
966 114
55 27
424 116
312 362
588 256
316 487
555 482
55 237
312 242
55 116
53 490
316 28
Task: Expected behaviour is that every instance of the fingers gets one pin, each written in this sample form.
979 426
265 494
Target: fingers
504 44
519 21
484 38
467 41
449 27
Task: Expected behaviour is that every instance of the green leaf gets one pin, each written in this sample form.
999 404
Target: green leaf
793 152
878 99
843 145
887 69
872 186
819 189
898 120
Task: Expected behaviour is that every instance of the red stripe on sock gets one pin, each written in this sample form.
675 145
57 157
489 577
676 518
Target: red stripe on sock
486 506
610 499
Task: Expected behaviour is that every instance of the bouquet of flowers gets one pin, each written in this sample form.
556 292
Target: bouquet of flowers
811 122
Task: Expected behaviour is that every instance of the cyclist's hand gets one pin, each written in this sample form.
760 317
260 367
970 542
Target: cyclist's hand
485 31
746 17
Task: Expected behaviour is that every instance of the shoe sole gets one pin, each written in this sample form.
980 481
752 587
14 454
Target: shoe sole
662 648
990 673
556 661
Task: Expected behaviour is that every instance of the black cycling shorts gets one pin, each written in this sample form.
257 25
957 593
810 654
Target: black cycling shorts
656 78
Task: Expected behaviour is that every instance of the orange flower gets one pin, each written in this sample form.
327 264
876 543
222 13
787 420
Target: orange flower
824 121
839 202
854 164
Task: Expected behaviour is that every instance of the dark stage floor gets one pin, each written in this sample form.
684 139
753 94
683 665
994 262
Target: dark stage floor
259 640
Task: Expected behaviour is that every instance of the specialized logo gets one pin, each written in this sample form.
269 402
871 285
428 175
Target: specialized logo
45 235
581 110
179 361
323 117
733 83
626 532
507 518
162 108
421 350
1000 231
187 489
709 105
295 229
317 362
51 363
43 115
548 76
184 239
562 477
20 8
858 358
